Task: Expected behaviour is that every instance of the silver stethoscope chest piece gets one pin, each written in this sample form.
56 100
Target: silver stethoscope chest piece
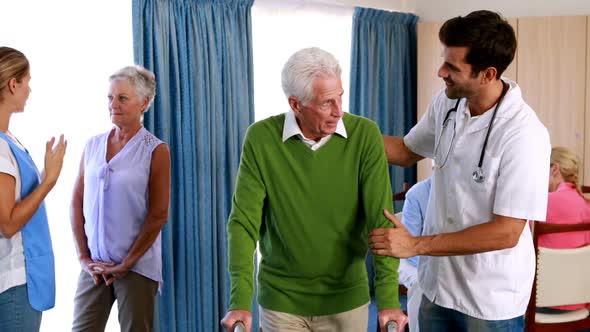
478 175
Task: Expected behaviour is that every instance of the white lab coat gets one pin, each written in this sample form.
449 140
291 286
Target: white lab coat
493 285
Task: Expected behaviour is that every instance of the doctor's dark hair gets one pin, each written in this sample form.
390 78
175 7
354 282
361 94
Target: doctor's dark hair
490 40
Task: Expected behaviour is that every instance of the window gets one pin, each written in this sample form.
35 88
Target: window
279 29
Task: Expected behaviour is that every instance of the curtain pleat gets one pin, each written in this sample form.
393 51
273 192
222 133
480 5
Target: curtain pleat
201 53
383 76
383 82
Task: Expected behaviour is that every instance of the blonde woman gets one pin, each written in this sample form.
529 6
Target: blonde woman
27 273
566 205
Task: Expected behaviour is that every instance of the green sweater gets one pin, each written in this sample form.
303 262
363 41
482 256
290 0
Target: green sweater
312 212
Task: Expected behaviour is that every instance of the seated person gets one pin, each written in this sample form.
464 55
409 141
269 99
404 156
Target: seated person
566 205
413 215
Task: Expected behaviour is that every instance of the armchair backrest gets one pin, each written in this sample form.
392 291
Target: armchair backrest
561 278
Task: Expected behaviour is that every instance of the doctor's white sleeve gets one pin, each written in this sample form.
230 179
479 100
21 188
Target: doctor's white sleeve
421 137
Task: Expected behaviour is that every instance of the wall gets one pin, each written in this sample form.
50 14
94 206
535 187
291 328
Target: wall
407 6
434 10
437 10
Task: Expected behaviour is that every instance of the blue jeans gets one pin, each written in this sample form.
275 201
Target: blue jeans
16 313
434 318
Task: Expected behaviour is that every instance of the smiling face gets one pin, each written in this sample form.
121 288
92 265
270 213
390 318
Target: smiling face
125 106
319 117
457 74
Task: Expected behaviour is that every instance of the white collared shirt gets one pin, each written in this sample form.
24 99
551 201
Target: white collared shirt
494 285
291 128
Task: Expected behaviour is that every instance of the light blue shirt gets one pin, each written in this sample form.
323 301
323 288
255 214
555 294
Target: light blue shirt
414 211
116 198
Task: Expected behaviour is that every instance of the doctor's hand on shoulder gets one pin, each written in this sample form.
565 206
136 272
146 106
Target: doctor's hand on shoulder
395 242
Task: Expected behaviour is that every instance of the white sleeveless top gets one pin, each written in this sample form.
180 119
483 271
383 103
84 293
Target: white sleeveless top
116 197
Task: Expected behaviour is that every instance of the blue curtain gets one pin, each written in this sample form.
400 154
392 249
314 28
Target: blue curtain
383 82
201 53
383 76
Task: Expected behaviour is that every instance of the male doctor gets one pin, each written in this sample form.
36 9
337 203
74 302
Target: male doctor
491 156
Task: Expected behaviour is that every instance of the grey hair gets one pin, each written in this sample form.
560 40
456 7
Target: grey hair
303 67
142 79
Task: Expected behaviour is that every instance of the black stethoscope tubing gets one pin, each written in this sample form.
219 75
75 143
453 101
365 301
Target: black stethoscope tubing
478 175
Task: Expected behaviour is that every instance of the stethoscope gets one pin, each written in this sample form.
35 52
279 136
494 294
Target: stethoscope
478 175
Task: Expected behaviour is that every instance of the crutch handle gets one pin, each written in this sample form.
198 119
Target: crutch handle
239 327
391 326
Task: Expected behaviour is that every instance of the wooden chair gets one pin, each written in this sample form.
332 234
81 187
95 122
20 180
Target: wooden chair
585 189
561 278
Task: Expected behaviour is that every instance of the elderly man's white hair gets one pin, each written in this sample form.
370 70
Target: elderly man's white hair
303 67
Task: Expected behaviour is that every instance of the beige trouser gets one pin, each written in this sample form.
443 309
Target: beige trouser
354 320
135 295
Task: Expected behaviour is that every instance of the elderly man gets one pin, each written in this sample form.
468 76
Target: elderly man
312 183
